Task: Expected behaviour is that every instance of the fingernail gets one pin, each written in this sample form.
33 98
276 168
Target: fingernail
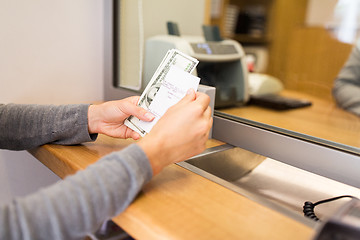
149 116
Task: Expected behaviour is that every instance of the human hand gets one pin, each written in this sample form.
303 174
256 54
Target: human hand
108 118
181 133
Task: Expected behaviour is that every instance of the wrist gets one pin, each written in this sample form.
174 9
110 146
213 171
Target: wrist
92 119
154 154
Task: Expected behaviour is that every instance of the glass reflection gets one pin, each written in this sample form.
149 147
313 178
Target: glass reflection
306 48
294 49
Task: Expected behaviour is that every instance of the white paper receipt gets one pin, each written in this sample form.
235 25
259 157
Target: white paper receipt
174 87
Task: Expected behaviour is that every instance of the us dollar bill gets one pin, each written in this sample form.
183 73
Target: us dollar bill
172 57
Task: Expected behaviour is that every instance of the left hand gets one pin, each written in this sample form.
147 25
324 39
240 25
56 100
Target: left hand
108 118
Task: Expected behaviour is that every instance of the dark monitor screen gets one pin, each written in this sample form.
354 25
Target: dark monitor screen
213 48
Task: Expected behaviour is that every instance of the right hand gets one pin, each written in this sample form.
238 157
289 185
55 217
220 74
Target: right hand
181 133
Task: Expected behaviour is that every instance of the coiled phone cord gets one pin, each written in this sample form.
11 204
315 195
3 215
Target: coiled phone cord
309 207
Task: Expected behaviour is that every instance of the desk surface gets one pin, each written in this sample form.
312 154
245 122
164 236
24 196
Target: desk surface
322 120
178 204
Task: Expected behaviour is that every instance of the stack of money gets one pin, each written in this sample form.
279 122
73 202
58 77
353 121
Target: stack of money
172 58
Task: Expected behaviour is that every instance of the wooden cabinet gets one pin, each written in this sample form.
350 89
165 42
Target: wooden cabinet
280 18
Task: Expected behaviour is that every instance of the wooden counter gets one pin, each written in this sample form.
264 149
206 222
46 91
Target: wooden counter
323 119
178 204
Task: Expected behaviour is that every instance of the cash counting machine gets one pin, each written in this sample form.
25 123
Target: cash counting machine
221 64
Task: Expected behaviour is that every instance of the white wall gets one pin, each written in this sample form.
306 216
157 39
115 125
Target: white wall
320 12
50 52
341 17
137 23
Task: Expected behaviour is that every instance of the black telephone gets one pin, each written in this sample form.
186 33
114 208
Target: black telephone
344 224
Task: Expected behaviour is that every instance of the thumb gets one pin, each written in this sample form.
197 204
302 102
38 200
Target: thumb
139 112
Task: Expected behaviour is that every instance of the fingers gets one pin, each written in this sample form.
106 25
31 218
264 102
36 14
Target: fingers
207 113
208 120
130 108
135 135
134 99
197 97
190 96
129 133
203 99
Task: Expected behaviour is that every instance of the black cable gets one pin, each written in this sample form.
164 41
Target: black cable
309 207
309 212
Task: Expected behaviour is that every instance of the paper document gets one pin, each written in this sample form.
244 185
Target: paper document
179 66
172 90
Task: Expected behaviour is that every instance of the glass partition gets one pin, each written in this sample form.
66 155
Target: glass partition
297 43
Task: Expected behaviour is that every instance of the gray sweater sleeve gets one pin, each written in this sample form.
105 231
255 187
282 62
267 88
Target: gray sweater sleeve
78 205
28 126
346 89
